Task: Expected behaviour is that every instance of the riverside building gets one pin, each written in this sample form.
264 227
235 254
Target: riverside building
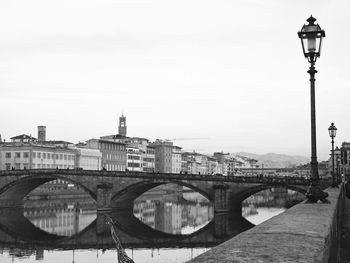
163 156
133 159
345 158
35 156
87 158
113 153
176 160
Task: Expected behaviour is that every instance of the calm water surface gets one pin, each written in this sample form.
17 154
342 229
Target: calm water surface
161 216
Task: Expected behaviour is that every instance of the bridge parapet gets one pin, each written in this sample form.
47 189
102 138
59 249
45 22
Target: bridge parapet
296 180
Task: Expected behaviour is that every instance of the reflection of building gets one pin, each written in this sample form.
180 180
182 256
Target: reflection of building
199 214
173 217
145 212
169 217
274 197
64 221
249 210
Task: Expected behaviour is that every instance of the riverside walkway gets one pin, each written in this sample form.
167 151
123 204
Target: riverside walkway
305 233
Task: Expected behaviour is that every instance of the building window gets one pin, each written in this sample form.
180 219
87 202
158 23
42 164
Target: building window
44 155
65 156
18 155
25 165
133 165
34 155
61 156
8 155
39 155
17 165
26 155
8 166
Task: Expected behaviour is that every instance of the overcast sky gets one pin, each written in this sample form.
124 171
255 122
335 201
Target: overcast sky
229 71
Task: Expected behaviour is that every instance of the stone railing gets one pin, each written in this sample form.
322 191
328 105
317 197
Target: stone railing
304 233
267 179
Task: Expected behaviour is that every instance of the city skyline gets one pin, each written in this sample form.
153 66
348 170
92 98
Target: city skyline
230 72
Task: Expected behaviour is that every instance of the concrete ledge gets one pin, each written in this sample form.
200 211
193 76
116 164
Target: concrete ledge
303 233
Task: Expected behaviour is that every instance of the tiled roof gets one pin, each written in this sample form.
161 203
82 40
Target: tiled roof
22 136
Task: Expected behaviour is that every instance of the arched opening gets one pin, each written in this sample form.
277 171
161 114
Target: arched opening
173 208
264 202
52 204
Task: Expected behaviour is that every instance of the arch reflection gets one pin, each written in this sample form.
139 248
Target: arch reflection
271 201
173 210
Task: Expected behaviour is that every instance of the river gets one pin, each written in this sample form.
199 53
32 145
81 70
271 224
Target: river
169 226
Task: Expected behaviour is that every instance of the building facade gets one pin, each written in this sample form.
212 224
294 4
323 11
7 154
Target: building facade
148 160
87 158
133 159
163 156
345 159
113 153
176 160
31 156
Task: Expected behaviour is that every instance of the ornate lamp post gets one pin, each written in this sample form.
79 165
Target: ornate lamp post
311 40
332 133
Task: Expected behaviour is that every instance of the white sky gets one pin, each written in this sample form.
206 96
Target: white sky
230 71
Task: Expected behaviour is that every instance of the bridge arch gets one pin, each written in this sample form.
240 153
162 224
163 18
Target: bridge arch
258 188
125 198
17 189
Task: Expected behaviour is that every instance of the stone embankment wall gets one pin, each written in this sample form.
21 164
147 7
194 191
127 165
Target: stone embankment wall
304 233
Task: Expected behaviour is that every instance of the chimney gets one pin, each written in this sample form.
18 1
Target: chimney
41 133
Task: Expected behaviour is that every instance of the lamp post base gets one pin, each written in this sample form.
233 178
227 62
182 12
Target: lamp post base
315 193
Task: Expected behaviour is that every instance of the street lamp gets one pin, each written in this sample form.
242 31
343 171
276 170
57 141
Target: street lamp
332 133
311 40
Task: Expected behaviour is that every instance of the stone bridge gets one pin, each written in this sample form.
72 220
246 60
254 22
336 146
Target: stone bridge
17 231
118 190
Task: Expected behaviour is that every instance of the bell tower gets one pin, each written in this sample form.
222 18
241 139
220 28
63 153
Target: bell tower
41 133
122 125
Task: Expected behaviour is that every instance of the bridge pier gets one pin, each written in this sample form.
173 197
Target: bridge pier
221 225
221 198
104 196
102 228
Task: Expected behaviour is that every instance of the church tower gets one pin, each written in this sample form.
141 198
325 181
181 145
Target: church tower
122 125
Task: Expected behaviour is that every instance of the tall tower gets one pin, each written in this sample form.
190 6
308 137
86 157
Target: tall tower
122 125
41 133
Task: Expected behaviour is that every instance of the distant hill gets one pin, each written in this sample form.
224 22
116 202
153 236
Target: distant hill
276 160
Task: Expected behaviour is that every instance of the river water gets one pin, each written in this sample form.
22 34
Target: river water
166 226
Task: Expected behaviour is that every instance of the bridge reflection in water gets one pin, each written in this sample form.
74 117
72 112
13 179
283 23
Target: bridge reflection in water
71 225
17 231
